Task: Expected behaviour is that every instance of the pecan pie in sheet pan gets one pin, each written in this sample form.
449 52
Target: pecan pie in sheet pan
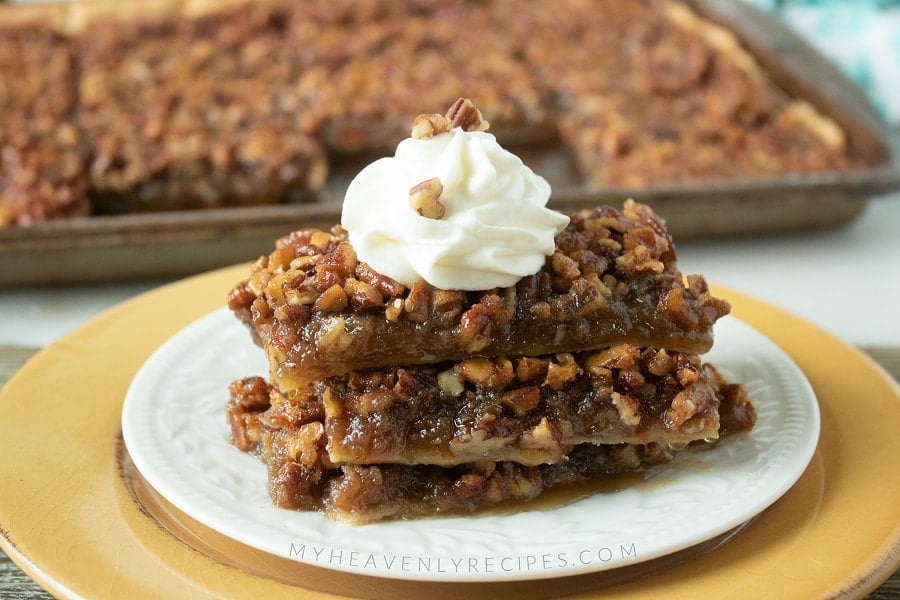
198 104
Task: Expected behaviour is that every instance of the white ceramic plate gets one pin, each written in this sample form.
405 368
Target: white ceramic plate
174 427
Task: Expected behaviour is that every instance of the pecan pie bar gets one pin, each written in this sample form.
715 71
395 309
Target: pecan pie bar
41 152
318 311
197 113
295 438
706 110
529 410
421 59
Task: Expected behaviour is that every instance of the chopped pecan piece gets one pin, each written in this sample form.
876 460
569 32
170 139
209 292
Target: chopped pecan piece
429 125
424 198
463 113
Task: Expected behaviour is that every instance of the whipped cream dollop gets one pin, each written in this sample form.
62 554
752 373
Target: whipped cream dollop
492 227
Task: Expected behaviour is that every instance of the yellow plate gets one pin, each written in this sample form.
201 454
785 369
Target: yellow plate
76 517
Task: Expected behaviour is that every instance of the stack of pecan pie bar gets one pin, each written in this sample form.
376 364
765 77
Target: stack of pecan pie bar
393 401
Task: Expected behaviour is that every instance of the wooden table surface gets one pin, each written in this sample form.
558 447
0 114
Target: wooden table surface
16 585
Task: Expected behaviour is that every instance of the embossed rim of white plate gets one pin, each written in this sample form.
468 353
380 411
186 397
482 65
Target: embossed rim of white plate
175 431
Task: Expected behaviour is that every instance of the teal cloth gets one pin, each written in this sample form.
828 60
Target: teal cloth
861 36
